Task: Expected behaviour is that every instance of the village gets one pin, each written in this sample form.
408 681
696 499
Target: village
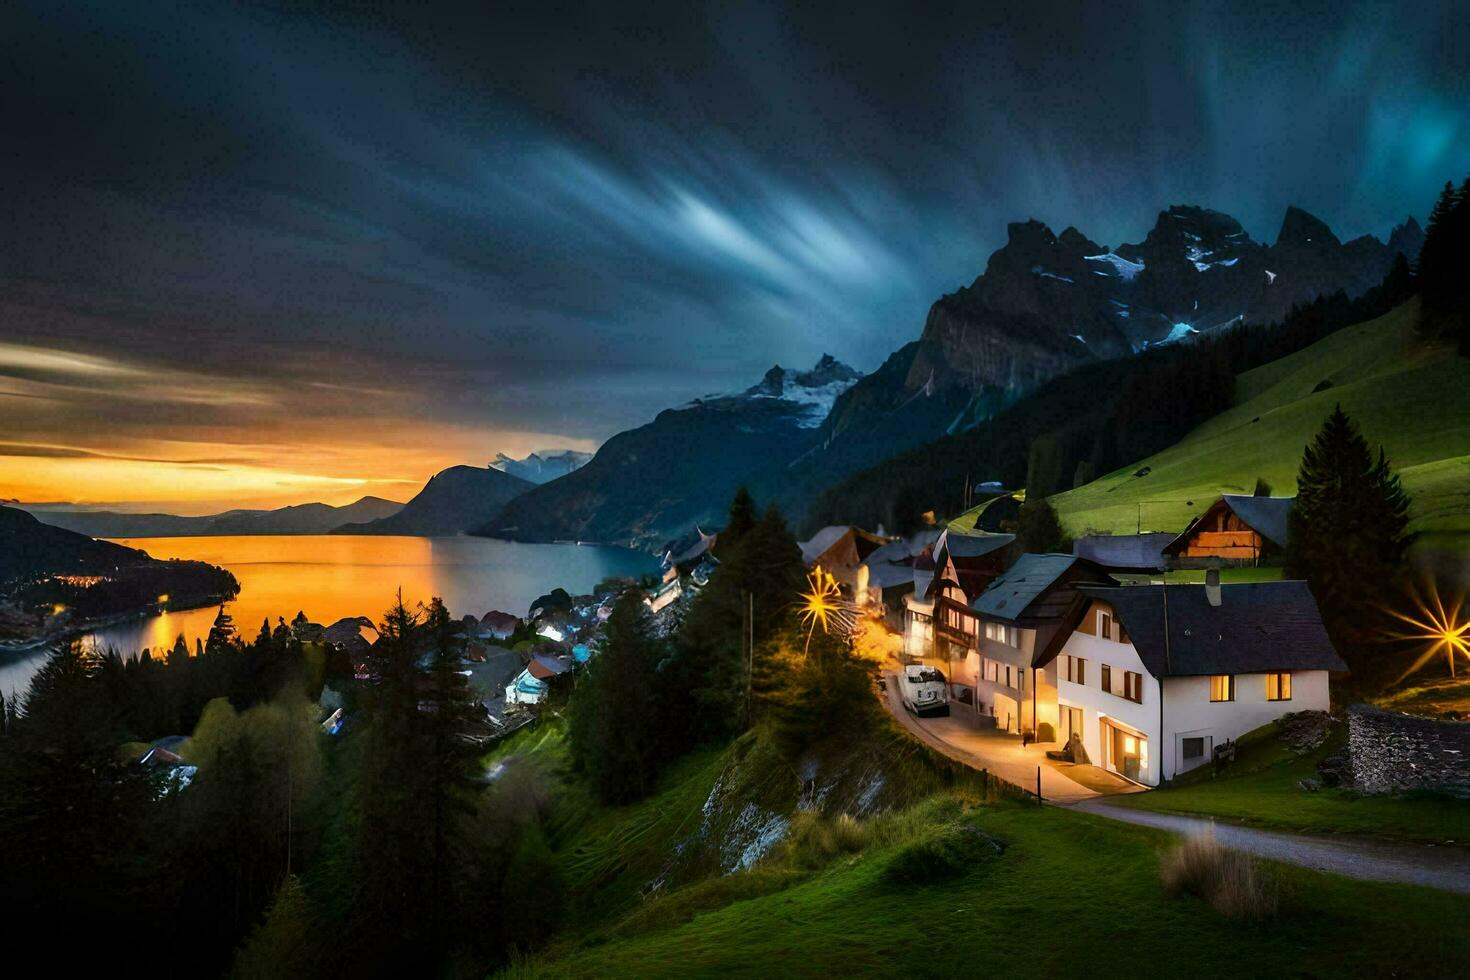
1112 669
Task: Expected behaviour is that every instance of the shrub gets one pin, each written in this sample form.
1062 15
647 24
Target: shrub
1229 880
952 851
815 840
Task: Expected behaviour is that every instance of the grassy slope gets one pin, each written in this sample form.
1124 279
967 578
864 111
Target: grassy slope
1412 398
1084 890
1071 895
1261 790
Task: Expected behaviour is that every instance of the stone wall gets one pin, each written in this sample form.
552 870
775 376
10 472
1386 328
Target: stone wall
1390 752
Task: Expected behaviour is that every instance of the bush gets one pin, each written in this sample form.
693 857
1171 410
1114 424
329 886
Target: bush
814 840
1229 880
954 850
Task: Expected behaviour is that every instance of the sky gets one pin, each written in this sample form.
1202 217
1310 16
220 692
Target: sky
254 255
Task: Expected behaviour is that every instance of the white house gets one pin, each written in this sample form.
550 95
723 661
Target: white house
1020 616
1153 677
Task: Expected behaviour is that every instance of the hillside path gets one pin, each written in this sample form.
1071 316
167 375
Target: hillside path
1354 856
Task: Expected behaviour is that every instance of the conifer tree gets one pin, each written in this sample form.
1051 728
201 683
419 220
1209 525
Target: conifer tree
616 739
1348 530
1038 528
739 522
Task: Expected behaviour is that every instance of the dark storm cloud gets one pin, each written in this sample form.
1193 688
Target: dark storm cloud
562 220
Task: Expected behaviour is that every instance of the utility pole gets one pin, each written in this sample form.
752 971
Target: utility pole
748 638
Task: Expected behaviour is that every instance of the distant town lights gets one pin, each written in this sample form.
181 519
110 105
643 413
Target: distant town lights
163 599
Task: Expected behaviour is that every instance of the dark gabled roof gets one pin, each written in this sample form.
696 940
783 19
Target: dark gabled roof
1267 516
1124 552
686 551
962 546
904 548
1258 627
1008 596
887 575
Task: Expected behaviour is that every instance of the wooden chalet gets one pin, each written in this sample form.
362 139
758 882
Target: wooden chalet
1234 530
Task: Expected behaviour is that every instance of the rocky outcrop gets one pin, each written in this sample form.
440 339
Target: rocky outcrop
1047 302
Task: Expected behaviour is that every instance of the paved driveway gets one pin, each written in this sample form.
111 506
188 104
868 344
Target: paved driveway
961 739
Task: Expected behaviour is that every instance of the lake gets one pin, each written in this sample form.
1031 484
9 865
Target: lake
332 576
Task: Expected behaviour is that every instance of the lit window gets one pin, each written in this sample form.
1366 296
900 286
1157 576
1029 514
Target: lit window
1222 687
1278 687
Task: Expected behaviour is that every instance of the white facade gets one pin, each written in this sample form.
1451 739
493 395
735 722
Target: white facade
918 632
1122 725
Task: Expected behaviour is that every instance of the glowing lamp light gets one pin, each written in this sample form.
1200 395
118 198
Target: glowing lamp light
163 599
1130 744
58 609
1441 627
822 605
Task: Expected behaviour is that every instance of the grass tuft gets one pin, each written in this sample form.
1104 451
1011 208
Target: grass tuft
1230 881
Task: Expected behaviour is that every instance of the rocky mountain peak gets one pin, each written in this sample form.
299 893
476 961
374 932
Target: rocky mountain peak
1407 239
778 381
1299 228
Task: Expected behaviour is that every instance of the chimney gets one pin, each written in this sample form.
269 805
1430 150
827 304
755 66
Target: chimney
1212 586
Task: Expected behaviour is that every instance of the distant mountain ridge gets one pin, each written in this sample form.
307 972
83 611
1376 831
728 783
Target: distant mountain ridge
454 501
314 518
648 484
542 466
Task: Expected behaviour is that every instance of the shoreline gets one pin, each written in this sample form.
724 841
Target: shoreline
71 631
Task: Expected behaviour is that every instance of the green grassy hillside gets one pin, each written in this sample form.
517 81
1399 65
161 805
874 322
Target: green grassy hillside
1409 396
943 881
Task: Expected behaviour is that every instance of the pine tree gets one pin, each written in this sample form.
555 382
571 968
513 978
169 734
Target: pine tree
740 521
761 580
1443 262
616 740
1039 529
1348 530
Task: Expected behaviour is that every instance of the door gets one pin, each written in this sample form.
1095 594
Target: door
1127 753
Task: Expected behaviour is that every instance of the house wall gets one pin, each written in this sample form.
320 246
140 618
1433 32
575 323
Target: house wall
1137 718
918 634
1011 707
1189 712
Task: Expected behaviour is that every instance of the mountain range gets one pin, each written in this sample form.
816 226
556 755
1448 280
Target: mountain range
311 518
1045 304
649 484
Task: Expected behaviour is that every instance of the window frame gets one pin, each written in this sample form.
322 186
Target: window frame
1282 679
1229 688
1106 680
1133 686
1104 624
1184 747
